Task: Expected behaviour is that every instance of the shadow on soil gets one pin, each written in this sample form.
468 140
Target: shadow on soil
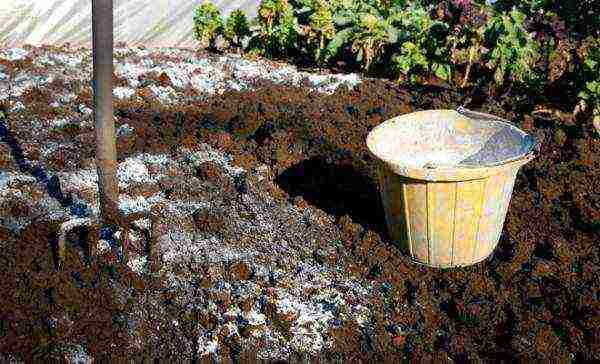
37 292
337 190
51 183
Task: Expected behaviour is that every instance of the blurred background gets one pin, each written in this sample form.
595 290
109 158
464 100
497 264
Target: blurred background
151 23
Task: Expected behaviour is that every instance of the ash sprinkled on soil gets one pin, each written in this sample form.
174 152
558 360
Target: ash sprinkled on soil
270 230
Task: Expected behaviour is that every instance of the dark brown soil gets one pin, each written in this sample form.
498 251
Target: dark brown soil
536 298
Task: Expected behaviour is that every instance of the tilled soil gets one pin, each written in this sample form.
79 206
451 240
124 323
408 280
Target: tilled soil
535 298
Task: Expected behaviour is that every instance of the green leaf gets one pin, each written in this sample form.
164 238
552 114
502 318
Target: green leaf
408 47
590 63
593 86
392 34
499 75
443 71
583 95
339 40
420 59
342 20
359 55
518 17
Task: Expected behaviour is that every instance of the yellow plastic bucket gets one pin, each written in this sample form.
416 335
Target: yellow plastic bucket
446 178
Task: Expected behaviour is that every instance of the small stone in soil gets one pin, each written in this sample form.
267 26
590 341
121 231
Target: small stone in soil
208 221
209 171
240 271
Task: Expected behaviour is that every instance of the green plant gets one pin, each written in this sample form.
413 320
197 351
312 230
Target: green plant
366 28
237 28
579 17
422 45
278 30
467 39
321 27
467 48
590 54
208 24
514 52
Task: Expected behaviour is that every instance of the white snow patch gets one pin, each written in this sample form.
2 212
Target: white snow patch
66 98
208 154
142 53
178 245
286 74
205 83
164 94
129 205
235 85
148 62
125 129
123 92
84 109
232 329
202 62
131 72
22 82
138 264
103 246
60 122
11 192
69 60
7 178
310 323
255 318
182 208
14 54
44 60
51 208
81 179
78 355
207 346
18 106
160 159
179 75
362 315
247 69
132 170
329 83
143 223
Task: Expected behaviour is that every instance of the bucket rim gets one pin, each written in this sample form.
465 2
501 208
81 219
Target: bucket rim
458 172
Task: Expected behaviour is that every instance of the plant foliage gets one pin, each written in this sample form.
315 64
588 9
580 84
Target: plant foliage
422 45
591 74
237 28
525 43
208 24
366 29
514 51
277 32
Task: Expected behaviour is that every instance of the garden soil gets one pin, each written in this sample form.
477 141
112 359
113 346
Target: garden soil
535 298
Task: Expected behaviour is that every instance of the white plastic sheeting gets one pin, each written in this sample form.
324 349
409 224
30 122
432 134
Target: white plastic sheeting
149 23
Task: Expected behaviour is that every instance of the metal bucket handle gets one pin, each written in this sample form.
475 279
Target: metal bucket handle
532 144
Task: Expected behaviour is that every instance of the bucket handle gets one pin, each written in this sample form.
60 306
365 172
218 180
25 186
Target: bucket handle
532 144
479 115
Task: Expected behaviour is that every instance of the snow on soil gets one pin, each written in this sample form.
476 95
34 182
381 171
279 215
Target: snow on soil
335 297
310 298
207 75
14 54
123 92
